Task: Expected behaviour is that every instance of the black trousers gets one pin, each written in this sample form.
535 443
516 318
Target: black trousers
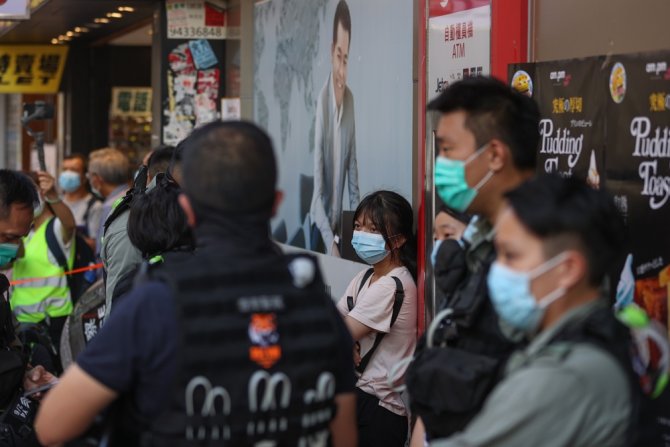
377 426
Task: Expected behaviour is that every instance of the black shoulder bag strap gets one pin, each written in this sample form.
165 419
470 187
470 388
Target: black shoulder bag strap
89 205
350 299
397 304
54 246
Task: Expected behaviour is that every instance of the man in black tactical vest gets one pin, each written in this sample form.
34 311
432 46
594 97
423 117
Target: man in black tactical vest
487 135
233 345
574 384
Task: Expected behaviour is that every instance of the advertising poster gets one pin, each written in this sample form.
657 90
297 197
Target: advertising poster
572 106
459 42
339 111
193 87
638 165
614 117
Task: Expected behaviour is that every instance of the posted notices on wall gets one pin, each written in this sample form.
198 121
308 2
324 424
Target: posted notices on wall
459 42
198 19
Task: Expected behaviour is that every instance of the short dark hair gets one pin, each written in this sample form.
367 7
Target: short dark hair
458 215
566 213
495 110
77 156
16 187
156 222
342 16
391 215
229 166
160 159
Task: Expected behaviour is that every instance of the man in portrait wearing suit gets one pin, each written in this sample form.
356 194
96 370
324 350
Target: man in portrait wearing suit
335 143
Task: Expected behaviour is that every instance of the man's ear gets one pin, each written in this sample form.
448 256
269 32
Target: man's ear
574 269
185 204
498 155
279 198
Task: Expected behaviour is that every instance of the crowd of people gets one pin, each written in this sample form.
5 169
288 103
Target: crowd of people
213 336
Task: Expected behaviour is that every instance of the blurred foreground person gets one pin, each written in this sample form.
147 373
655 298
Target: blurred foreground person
573 385
236 345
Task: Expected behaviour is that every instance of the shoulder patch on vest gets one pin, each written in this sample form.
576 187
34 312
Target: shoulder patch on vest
303 271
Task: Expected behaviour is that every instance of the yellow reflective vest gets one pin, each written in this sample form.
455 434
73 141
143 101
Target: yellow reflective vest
48 294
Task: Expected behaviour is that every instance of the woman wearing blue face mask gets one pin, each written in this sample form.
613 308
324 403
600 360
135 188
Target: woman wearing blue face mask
379 308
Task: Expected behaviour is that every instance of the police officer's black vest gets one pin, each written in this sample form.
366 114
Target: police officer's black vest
257 354
449 382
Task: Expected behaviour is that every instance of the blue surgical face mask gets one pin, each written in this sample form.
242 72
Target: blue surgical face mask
8 253
69 181
370 247
450 182
436 248
511 296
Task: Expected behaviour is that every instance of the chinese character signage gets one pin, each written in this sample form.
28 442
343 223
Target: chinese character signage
14 9
458 42
198 19
131 101
31 68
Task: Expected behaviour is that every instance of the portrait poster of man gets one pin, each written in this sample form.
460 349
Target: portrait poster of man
336 96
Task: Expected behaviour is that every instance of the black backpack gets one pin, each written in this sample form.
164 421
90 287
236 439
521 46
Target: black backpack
459 360
83 257
615 336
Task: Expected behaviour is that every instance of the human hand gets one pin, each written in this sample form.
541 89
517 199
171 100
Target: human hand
36 377
47 185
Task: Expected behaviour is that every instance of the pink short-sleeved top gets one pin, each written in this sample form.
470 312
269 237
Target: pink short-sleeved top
373 308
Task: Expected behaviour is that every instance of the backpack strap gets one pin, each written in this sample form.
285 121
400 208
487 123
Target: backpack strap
89 205
121 206
350 299
397 304
54 246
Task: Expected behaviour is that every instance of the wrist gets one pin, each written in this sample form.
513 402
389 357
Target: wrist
51 201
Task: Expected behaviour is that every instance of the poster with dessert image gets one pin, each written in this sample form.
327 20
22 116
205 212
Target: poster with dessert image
638 168
572 118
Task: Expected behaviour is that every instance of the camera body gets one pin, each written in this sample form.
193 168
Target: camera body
38 110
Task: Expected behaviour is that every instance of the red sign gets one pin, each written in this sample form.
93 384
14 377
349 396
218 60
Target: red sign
443 7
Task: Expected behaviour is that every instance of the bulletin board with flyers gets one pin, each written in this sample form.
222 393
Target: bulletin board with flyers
193 66
607 120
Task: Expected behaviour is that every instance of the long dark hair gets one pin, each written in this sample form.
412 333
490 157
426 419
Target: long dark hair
392 216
